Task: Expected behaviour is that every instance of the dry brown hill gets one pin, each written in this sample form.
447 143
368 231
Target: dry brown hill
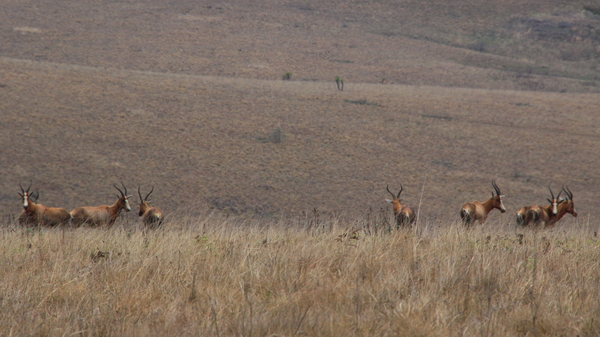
188 97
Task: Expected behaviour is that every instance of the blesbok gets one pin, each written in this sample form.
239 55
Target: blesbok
38 214
404 215
102 215
478 211
541 215
151 216
564 206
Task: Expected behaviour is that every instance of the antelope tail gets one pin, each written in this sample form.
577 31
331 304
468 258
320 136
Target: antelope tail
532 216
520 219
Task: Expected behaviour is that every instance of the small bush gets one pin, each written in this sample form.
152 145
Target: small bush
276 137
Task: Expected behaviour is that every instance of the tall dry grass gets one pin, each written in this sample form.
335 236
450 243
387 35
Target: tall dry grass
214 276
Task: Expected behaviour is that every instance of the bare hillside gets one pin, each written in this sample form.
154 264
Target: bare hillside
533 45
189 97
260 146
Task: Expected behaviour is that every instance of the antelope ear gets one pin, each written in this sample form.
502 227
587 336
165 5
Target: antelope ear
388 200
501 196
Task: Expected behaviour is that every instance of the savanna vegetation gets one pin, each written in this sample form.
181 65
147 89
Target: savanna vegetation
311 275
268 132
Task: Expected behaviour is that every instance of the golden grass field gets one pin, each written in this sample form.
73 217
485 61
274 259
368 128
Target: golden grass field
211 276
274 189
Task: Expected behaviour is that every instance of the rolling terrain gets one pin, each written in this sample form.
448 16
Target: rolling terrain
188 97
274 181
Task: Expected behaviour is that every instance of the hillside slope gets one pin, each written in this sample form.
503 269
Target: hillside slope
515 45
212 142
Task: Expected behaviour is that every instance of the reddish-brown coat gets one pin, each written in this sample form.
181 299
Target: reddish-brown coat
101 215
404 214
151 216
40 215
478 211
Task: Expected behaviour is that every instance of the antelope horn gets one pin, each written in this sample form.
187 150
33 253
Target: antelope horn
125 188
35 196
496 188
569 193
388 189
552 194
140 194
152 190
122 194
22 190
401 188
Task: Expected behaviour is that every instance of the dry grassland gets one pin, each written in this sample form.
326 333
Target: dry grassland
213 276
274 190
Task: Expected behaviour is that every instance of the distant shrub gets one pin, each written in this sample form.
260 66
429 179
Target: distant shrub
276 137
287 76
340 83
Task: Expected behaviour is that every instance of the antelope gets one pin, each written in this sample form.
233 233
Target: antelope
565 206
478 211
535 214
38 214
102 215
151 216
405 215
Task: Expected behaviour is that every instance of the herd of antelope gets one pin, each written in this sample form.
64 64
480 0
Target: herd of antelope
39 215
152 217
471 212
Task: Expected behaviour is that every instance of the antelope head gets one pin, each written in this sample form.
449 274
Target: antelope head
554 201
569 200
25 194
123 198
144 202
395 201
395 198
497 198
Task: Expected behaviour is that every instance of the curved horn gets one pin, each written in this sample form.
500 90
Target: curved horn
29 187
122 194
125 188
401 188
140 194
152 190
35 196
552 194
568 192
496 188
388 189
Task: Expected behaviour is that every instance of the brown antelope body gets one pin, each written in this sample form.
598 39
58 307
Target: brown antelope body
478 211
565 206
539 215
151 216
405 215
39 215
102 215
